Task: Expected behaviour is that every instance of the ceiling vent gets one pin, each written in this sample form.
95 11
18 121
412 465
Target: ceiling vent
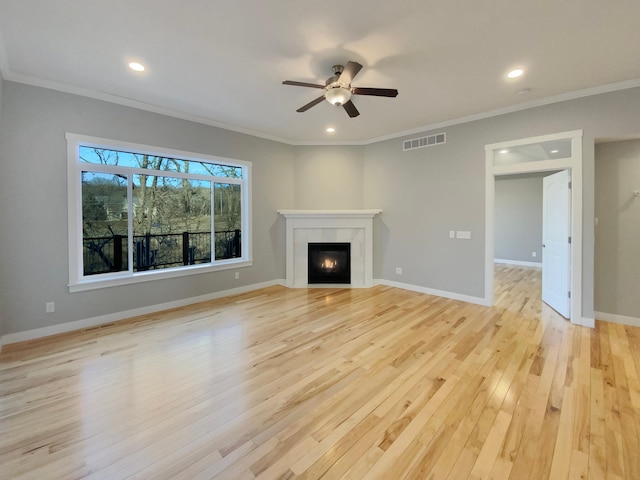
429 141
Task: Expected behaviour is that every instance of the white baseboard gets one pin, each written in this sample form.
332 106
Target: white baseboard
587 322
518 262
615 318
114 317
431 291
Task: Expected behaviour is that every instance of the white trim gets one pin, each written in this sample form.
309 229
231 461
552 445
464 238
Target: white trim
117 316
534 167
330 213
575 165
587 322
77 280
151 275
563 97
127 314
111 144
518 263
129 102
431 291
615 318
354 226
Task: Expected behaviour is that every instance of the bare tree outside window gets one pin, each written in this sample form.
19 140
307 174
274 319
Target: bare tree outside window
172 212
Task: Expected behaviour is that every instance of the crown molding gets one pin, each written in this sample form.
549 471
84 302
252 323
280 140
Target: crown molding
129 102
107 97
563 97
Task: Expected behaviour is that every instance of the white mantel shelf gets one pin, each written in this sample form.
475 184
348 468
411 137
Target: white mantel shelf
352 226
330 213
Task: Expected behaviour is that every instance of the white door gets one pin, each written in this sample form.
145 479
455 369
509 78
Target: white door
556 251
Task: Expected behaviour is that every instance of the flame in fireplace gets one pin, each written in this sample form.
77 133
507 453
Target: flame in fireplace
328 264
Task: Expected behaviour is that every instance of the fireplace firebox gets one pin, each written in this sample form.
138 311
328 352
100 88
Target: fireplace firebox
329 262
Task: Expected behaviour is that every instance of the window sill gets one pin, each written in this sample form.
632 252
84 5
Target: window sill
141 277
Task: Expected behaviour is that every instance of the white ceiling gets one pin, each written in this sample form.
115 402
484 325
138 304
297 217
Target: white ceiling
222 62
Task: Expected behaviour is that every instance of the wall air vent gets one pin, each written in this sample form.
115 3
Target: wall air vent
429 141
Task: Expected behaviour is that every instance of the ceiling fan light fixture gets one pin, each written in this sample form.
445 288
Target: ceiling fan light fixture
338 91
338 95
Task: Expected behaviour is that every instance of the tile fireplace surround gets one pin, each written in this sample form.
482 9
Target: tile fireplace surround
352 226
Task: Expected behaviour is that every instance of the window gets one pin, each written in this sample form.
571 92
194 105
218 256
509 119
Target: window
140 213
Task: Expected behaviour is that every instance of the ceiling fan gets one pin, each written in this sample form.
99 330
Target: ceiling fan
338 89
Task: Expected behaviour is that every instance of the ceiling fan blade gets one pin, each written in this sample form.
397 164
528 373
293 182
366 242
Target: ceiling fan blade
313 103
376 92
349 72
351 109
302 84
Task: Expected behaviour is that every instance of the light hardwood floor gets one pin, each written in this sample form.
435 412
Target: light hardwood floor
379 383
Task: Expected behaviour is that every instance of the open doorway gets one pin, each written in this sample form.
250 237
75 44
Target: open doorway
549 153
532 230
518 219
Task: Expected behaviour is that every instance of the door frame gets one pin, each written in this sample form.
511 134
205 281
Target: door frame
572 163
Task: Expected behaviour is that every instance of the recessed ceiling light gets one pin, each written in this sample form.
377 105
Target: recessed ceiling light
138 67
515 73
503 151
554 151
330 129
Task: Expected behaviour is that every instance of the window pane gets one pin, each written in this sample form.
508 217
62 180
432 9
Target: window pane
103 156
171 222
104 223
228 220
216 170
534 152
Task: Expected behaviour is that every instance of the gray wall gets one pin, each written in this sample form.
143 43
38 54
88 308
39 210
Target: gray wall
427 192
617 247
34 256
518 217
424 194
329 177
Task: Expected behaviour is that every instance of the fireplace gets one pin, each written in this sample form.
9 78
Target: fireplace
329 263
323 226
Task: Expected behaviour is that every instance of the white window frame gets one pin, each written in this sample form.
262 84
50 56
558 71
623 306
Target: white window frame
77 280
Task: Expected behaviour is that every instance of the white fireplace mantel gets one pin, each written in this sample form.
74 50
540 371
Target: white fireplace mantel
352 226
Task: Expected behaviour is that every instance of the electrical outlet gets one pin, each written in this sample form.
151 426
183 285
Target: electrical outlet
237 275
534 254
463 234
452 234
398 270
50 307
